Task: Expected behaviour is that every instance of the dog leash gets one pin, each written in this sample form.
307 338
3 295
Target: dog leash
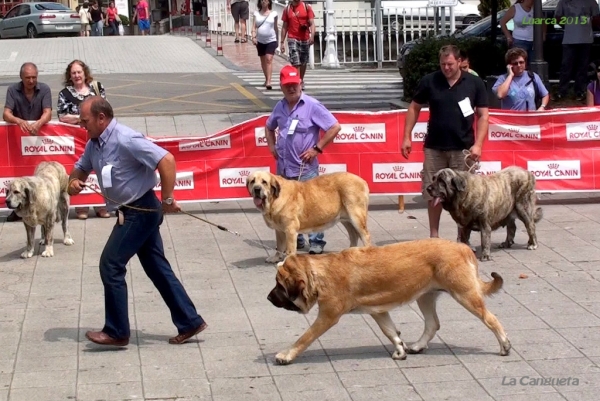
473 167
220 227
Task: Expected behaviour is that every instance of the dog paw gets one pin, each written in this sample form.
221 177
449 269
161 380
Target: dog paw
48 253
506 244
399 356
27 254
485 257
274 259
68 241
414 350
505 348
283 358
532 247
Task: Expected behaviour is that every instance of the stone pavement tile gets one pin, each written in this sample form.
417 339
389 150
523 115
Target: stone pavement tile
437 374
387 392
43 363
531 397
110 391
110 374
362 361
108 358
558 350
49 393
216 123
573 367
465 389
244 55
355 380
135 123
244 388
311 386
234 361
44 378
160 126
499 368
155 389
430 357
3 395
194 370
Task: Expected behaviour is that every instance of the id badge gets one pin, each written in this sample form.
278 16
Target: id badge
293 126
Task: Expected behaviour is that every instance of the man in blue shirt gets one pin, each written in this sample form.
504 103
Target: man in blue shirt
125 163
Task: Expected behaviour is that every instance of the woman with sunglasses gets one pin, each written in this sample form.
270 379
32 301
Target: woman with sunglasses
593 90
517 88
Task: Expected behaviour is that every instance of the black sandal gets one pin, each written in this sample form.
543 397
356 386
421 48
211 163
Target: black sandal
269 87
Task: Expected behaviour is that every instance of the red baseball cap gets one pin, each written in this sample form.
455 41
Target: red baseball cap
289 75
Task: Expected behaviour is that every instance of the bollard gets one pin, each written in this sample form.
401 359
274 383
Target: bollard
219 39
208 42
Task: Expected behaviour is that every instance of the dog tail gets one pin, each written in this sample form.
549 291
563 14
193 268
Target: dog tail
492 287
538 214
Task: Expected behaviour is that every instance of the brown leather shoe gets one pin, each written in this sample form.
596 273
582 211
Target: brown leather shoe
100 337
183 337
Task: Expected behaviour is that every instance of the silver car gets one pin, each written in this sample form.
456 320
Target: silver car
39 18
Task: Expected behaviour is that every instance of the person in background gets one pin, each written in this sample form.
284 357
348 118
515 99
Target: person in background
142 16
593 89
240 11
79 85
265 36
465 65
133 164
28 105
97 19
522 35
517 87
299 26
299 119
112 18
576 45
85 18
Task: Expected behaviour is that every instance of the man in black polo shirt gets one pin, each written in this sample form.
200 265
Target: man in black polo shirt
28 105
454 97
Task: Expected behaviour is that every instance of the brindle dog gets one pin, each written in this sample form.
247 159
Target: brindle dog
486 203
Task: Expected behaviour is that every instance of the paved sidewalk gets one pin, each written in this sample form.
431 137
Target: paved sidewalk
552 318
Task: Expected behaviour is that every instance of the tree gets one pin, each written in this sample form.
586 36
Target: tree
485 6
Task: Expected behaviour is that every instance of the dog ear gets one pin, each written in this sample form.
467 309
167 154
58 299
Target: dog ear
27 194
275 188
459 183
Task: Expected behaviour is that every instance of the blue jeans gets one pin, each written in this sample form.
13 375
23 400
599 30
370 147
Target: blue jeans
140 234
313 238
525 45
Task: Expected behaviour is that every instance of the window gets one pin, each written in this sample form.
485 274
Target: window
24 9
51 7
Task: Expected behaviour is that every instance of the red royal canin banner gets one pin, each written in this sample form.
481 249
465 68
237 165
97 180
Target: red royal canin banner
560 147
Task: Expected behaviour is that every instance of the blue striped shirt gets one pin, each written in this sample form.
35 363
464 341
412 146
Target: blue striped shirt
134 159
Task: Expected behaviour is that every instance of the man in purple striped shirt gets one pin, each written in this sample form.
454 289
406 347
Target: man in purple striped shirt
300 119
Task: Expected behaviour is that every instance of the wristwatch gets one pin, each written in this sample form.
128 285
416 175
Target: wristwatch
318 149
168 201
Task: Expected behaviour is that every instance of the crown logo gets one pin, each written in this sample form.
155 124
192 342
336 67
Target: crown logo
358 128
47 141
245 173
553 166
7 183
592 127
398 168
513 130
321 169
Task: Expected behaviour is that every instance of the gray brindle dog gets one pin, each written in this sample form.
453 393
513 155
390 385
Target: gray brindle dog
42 199
487 202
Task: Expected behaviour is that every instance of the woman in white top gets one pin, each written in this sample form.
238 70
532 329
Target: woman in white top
84 16
265 36
522 35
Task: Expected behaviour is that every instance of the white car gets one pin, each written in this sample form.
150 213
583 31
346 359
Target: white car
416 13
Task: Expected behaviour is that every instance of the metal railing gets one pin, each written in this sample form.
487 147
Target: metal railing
357 30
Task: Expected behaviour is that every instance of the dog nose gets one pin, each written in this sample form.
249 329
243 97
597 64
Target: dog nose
256 191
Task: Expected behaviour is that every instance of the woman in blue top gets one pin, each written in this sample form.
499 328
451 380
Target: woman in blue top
516 89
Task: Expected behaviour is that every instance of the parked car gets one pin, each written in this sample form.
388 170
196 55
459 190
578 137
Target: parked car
30 20
482 29
401 14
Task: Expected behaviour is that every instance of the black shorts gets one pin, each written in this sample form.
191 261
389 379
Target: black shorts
266 48
240 11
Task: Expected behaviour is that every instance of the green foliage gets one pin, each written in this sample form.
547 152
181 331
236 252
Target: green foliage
485 7
485 58
124 20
